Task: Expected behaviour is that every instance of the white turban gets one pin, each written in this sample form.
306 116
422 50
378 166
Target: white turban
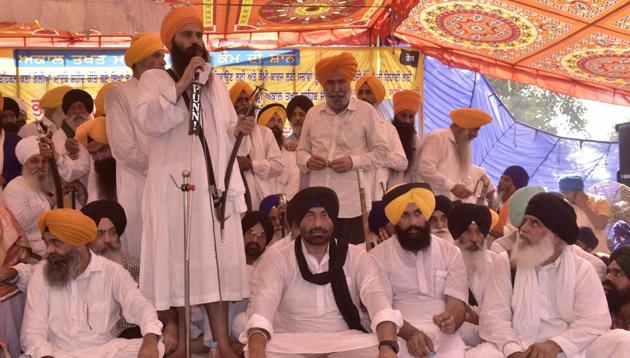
26 148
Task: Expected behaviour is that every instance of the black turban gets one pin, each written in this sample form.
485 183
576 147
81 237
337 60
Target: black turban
303 102
587 236
556 214
110 209
11 105
622 256
77 95
315 197
252 218
465 214
377 218
443 204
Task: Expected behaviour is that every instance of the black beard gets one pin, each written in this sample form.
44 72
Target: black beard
277 133
253 249
59 269
615 298
416 241
181 57
316 236
11 127
406 133
106 178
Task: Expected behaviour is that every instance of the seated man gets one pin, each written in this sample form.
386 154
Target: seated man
587 240
617 284
439 219
425 275
555 304
307 293
74 298
257 234
274 207
380 228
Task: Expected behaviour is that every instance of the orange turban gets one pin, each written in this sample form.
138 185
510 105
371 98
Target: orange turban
176 19
406 100
142 46
344 64
54 97
99 101
70 226
375 85
94 129
239 87
470 117
495 219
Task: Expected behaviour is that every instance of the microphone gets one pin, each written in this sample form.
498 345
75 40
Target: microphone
199 53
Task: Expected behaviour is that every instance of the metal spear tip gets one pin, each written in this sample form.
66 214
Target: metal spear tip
186 173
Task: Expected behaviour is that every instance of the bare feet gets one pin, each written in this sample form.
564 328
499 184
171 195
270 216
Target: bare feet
170 338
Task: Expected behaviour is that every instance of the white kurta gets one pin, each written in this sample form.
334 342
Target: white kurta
164 119
439 163
30 129
289 180
563 301
396 163
128 145
81 317
358 132
418 284
262 179
26 205
69 169
303 317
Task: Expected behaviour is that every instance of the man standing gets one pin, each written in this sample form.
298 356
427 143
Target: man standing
306 295
75 297
127 142
591 210
9 163
341 136
513 178
426 276
555 302
163 115
446 158
406 107
102 179
9 115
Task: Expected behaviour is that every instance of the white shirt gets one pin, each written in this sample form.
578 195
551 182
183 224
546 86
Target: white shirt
70 169
418 283
589 307
128 145
27 205
358 132
84 313
289 180
478 281
267 165
396 163
283 302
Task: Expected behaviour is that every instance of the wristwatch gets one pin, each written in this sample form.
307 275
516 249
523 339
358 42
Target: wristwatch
392 344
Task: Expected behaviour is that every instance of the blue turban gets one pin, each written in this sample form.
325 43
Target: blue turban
518 174
377 218
268 203
620 234
571 183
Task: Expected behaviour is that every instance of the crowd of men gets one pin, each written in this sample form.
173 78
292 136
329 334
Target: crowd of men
92 226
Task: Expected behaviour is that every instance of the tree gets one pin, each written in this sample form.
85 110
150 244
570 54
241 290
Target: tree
543 109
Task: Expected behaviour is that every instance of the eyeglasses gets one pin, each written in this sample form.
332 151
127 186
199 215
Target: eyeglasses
256 235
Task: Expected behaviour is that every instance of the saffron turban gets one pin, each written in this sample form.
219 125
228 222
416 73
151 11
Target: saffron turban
470 117
344 64
70 226
93 129
54 97
622 256
77 95
375 85
252 218
267 112
142 46
397 198
11 105
1 102
556 214
110 209
377 218
495 219
314 197
518 202
465 214
571 183
99 101
443 204
269 202
303 102
26 148
518 174
238 88
176 19
406 100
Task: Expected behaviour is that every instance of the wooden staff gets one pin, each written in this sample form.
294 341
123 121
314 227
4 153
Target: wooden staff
364 213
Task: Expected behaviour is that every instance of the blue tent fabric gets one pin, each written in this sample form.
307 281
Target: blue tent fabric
505 141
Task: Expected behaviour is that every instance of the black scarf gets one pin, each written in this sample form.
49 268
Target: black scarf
337 251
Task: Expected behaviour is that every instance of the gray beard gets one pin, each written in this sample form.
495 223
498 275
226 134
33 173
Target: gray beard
35 182
475 261
444 235
530 256
59 273
464 154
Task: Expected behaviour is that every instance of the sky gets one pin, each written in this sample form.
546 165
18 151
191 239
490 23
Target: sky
602 117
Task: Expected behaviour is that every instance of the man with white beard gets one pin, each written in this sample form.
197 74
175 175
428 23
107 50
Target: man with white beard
50 104
439 219
470 225
554 306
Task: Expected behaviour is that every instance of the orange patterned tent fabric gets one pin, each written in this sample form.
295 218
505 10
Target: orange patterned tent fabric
577 47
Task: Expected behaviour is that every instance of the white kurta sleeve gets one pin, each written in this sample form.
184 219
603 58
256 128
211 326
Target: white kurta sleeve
271 165
121 133
456 284
70 169
135 307
427 166
34 332
304 149
289 180
378 153
158 112
265 297
17 202
591 314
495 320
24 271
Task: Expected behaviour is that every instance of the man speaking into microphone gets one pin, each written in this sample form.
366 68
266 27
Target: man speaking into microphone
163 115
